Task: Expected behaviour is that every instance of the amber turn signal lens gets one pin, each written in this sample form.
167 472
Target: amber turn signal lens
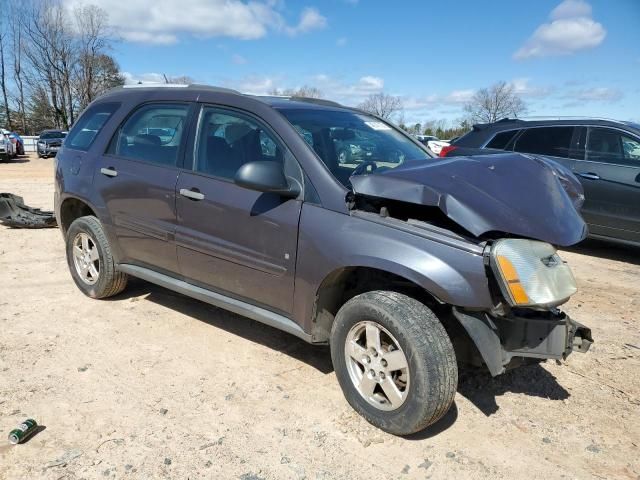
513 281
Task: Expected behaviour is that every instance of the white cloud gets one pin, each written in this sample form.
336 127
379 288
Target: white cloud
371 83
255 85
459 96
163 21
341 42
238 59
132 79
522 87
571 29
571 9
596 94
310 19
348 92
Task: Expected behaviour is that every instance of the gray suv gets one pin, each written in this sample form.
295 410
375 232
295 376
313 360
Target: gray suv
404 265
603 154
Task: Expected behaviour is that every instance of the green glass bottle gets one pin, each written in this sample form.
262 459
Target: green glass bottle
24 431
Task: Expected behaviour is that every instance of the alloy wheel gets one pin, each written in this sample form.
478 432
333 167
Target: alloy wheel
86 258
377 365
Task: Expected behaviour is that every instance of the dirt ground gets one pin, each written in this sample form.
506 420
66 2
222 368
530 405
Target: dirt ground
152 384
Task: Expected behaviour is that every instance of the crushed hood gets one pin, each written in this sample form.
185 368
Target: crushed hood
517 194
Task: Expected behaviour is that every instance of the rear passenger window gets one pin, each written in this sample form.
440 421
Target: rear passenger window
152 134
553 141
227 140
502 139
89 125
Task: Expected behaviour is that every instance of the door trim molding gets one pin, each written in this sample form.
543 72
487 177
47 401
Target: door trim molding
218 300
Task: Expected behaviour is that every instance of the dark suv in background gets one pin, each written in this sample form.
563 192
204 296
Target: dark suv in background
49 142
603 154
242 202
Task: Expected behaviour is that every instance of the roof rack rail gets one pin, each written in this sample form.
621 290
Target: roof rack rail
155 85
180 85
317 101
535 118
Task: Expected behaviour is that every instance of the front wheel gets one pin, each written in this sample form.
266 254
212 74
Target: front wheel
394 361
90 260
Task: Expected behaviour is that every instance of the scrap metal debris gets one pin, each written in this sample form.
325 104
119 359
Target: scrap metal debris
14 213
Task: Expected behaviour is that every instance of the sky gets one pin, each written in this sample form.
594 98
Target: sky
565 58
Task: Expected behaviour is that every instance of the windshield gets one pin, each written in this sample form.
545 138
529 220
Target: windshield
352 143
49 135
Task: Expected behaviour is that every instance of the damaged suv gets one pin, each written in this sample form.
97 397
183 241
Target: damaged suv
404 264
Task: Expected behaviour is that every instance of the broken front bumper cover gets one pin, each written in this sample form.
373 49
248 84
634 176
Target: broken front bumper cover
14 213
523 334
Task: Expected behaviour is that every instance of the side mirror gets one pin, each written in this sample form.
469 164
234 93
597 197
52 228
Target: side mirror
266 177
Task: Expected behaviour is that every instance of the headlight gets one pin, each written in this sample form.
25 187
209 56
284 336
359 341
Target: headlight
531 273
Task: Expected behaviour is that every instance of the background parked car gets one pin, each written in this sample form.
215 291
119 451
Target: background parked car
6 148
50 142
11 148
603 154
18 143
436 145
425 139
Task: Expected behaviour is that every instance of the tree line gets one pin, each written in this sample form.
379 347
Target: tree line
53 63
490 104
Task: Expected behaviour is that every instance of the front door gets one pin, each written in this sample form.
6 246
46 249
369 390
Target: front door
137 179
230 239
610 175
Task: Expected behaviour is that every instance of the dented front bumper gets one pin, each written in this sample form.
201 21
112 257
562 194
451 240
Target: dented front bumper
501 340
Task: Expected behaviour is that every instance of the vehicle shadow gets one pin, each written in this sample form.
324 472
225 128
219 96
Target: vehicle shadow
437 428
608 250
481 389
317 356
19 159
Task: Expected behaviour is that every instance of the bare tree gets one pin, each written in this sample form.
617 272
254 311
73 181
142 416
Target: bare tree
495 102
92 42
382 105
17 48
305 91
49 50
3 76
60 61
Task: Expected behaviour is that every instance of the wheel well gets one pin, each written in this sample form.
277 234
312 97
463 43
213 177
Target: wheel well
71 209
343 284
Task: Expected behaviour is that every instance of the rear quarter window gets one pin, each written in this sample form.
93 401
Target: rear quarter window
502 139
89 126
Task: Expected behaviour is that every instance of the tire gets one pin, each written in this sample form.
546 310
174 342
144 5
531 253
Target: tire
108 281
430 378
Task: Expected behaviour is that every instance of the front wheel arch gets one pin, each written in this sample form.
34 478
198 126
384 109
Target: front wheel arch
342 284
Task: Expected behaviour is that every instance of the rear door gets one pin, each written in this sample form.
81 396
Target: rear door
554 142
610 174
137 178
230 239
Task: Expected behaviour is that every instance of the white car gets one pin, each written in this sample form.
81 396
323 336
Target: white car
436 145
6 148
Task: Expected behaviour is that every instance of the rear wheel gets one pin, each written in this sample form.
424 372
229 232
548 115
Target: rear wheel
394 361
90 260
